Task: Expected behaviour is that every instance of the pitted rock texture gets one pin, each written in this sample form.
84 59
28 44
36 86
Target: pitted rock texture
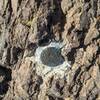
26 25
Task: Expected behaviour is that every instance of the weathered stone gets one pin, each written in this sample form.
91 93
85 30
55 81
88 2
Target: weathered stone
51 48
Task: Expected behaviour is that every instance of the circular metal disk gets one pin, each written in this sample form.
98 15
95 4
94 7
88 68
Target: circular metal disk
51 56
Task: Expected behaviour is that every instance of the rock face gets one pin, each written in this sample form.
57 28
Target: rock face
33 67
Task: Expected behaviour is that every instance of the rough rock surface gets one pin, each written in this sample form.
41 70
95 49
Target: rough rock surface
26 25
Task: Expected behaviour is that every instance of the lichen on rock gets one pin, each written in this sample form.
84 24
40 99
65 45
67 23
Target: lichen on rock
50 50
